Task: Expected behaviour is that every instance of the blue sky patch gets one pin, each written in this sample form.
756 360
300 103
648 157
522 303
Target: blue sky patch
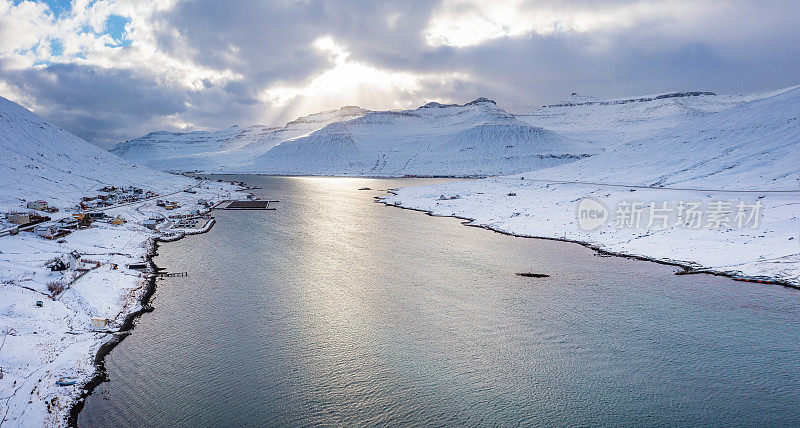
115 27
56 47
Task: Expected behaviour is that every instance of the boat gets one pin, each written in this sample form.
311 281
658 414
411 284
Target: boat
533 275
65 382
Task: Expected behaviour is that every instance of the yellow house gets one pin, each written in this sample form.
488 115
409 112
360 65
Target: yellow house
99 322
18 218
118 220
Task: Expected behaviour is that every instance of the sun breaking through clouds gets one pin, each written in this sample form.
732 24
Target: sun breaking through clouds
110 70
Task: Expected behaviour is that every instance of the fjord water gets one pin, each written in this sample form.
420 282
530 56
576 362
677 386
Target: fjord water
335 310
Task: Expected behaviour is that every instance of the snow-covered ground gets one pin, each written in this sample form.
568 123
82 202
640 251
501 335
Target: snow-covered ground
737 156
41 344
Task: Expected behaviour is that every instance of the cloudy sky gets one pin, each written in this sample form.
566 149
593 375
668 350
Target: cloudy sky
112 70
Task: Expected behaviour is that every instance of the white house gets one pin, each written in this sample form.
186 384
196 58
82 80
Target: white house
48 231
67 223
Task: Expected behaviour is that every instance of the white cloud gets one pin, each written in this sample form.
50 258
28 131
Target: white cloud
462 23
28 29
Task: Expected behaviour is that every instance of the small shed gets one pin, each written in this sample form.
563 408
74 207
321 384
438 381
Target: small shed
37 205
99 322
150 223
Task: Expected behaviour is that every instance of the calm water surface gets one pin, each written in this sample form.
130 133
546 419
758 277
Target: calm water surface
335 310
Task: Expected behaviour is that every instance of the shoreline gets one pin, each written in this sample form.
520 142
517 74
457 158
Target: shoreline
216 174
689 268
101 375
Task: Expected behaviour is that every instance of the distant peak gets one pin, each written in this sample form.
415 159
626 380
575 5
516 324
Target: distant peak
434 104
481 100
478 101
577 100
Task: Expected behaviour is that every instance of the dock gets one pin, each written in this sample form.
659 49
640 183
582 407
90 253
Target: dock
168 275
249 204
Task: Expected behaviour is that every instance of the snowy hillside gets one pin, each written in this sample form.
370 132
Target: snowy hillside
477 138
747 154
755 145
39 160
228 150
615 121
165 144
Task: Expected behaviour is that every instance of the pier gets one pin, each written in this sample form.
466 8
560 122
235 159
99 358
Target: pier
245 205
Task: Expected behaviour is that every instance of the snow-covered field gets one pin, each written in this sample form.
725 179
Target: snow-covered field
736 155
42 344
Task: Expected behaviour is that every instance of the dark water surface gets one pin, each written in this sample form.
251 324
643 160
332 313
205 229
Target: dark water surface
335 310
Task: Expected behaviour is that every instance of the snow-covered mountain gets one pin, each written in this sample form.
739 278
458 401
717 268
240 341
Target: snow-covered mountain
746 154
39 160
477 138
754 145
228 150
167 145
611 122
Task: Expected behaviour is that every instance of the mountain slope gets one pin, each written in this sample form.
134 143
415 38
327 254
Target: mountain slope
754 145
39 160
228 150
616 121
477 138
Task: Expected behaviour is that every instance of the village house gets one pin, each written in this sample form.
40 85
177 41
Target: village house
37 205
18 218
118 220
49 231
150 223
25 219
99 323
67 223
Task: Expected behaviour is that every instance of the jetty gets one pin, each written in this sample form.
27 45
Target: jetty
249 204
